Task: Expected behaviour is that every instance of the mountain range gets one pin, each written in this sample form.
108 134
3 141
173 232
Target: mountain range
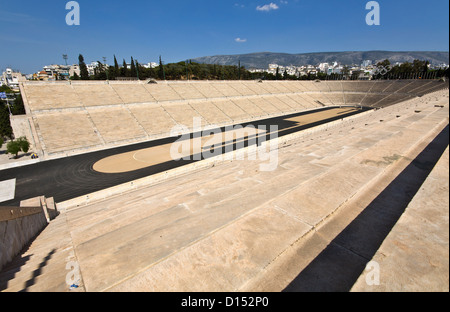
262 60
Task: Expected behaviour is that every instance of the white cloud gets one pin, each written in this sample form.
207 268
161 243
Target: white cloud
267 7
240 40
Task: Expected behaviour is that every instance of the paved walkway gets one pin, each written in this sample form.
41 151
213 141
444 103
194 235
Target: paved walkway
8 160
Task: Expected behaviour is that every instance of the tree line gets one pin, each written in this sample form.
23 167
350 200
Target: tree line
185 70
15 107
188 70
415 70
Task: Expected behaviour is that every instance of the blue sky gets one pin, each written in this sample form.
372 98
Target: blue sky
34 33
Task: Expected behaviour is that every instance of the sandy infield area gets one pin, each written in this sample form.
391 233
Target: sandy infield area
143 158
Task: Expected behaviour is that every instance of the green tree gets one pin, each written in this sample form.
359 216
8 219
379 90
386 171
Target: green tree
239 74
425 67
100 71
18 107
1 142
124 69
346 71
277 74
386 63
116 67
24 144
139 72
5 124
83 68
6 89
133 72
13 147
162 74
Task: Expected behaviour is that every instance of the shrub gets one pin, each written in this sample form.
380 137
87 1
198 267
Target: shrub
13 147
24 144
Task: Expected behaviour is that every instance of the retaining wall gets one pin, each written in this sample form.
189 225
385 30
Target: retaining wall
19 225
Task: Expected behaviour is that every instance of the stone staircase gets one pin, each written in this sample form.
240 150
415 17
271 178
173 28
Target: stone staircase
233 227
41 262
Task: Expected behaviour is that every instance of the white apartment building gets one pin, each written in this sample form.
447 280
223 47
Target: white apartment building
150 65
323 67
367 63
12 79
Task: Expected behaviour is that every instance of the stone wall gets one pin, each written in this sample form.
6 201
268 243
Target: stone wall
21 127
19 225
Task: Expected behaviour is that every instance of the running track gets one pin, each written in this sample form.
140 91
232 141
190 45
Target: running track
71 177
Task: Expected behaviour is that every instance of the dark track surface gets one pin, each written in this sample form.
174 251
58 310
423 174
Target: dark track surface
71 177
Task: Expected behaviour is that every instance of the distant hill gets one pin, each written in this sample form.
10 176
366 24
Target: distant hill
263 59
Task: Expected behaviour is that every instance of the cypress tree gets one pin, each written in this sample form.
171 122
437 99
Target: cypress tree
161 69
133 72
138 69
5 125
124 69
83 68
116 67
239 70
18 108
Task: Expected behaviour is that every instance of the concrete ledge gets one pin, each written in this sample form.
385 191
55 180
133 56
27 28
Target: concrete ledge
19 163
47 205
12 213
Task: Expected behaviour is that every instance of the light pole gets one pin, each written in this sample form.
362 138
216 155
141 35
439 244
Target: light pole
65 57
9 108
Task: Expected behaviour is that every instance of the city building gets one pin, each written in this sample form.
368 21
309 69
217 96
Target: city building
57 72
12 79
150 65
366 63
323 67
